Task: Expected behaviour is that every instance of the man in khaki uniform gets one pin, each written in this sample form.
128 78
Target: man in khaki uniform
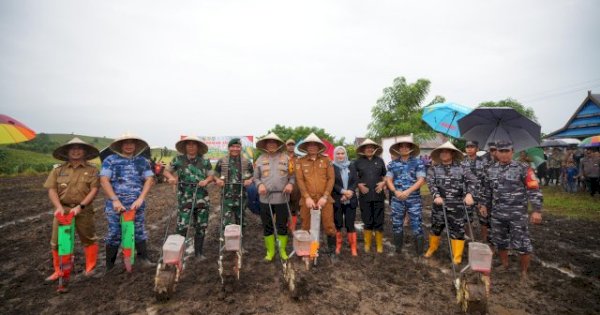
315 178
72 187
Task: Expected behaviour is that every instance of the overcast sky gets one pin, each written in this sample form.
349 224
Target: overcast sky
165 68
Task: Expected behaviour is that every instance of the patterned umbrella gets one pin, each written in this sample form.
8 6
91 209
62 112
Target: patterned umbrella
12 131
443 117
590 142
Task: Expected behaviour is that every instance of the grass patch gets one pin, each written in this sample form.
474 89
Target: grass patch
579 205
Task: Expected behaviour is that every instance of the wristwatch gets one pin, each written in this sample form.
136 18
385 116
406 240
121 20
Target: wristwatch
82 206
115 198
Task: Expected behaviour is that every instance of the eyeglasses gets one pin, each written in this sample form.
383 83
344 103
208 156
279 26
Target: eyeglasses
504 150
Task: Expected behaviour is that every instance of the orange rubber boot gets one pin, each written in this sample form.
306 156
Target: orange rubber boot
352 241
338 242
57 274
91 254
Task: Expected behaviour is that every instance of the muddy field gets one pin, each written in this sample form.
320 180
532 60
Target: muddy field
564 277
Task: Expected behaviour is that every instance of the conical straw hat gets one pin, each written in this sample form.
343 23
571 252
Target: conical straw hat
361 148
180 145
457 156
262 143
394 149
314 139
140 145
62 152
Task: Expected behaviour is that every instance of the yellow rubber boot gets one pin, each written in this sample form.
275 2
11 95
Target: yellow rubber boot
379 241
368 237
434 243
457 249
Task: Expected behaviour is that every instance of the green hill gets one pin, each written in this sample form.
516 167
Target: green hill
47 143
35 156
98 142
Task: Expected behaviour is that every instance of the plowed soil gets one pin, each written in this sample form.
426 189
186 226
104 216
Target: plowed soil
564 276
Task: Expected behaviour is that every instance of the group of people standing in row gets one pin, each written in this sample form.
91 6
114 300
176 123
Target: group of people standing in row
494 187
574 169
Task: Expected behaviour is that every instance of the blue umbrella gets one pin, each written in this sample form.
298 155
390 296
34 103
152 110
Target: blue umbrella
443 117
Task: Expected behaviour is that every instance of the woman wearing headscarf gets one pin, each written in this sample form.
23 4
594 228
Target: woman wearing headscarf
345 201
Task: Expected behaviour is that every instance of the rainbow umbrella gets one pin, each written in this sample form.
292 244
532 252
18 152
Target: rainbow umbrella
590 142
13 131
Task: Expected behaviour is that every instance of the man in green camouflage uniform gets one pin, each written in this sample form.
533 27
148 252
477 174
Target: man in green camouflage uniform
193 173
234 171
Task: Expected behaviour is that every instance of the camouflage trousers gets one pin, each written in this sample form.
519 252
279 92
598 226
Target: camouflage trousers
233 213
511 231
456 220
199 216
414 208
113 238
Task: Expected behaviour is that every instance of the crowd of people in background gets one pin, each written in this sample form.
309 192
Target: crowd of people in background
575 169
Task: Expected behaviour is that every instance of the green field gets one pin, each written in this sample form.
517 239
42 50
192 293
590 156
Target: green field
14 162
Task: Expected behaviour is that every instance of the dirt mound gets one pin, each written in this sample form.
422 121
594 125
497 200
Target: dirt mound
564 278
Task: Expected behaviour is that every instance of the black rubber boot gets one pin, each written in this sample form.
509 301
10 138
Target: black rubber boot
198 247
398 241
142 255
111 257
419 244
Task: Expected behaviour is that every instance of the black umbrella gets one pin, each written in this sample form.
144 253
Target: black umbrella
487 124
553 143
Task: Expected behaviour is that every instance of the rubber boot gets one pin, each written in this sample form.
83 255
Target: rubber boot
142 255
56 264
198 247
399 241
419 245
111 257
352 242
368 234
338 242
293 222
457 250
434 244
91 255
331 244
270 246
379 241
283 239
